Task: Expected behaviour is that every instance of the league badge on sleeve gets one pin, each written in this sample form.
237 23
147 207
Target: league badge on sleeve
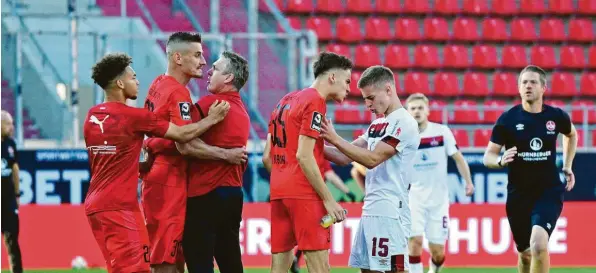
317 120
184 110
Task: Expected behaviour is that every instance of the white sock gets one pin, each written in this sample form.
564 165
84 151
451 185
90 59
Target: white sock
433 268
415 264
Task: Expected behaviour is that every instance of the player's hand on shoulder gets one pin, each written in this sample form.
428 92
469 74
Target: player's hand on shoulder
327 130
569 178
236 156
218 110
508 156
469 189
334 209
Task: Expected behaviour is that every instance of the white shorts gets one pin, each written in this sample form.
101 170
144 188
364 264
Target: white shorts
377 244
430 221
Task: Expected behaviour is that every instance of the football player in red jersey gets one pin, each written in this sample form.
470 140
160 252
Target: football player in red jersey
294 152
114 135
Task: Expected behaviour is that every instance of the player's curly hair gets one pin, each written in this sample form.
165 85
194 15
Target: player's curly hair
238 66
328 61
109 68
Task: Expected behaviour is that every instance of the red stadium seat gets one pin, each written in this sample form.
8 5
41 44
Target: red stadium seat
446 7
427 56
397 56
557 103
594 138
367 55
377 29
357 133
588 84
505 84
321 26
436 28
348 29
299 6
407 29
572 57
295 23
465 29
461 137
416 6
343 50
388 6
504 7
436 110
354 91
533 7
482 137
494 29
416 82
476 7
577 114
523 29
586 7
329 6
400 92
592 56
475 84
514 56
466 111
563 85
359 6
351 115
581 136
446 84
581 30
279 3
493 109
485 56
561 6
543 56
455 56
552 30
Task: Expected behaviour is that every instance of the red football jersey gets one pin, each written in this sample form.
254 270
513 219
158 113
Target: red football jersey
169 100
298 113
114 135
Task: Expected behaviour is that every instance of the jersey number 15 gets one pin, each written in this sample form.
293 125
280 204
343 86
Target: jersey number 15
279 124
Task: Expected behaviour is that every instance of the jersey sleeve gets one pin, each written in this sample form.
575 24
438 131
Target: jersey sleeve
565 123
499 131
179 111
399 134
203 106
450 143
311 120
145 122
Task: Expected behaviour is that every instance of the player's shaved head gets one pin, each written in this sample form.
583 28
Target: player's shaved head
535 69
376 75
109 68
238 66
328 61
7 124
180 41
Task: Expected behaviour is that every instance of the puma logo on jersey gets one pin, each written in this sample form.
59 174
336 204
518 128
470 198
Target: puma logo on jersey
95 120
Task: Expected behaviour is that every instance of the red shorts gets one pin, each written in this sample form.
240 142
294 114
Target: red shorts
297 222
164 207
123 240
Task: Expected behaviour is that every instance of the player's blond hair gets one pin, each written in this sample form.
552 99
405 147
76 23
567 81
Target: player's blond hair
417 96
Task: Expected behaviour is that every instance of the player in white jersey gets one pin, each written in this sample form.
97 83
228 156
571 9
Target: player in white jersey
429 194
387 149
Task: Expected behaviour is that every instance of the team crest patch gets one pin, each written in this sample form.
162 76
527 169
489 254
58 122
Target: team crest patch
10 151
550 125
184 110
317 120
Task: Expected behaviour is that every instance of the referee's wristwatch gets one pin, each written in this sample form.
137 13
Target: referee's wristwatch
499 161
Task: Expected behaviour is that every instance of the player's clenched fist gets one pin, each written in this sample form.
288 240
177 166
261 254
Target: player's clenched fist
508 156
334 209
569 178
219 110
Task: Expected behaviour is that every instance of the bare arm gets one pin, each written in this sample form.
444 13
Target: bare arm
369 159
336 156
569 148
464 171
199 149
266 156
332 177
16 179
186 133
491 156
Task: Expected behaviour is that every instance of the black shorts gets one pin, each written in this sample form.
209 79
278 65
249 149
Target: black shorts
526 210
10 221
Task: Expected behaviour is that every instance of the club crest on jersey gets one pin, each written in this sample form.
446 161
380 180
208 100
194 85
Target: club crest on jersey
184 110
377 130
317 120
550 126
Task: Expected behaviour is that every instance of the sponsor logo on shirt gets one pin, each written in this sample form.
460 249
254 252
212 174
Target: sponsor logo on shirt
536 146
93 119
550 126
317 120
184 110
519 127
102 149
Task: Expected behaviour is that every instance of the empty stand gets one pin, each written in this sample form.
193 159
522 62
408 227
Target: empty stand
346 115
532 7
465 29
436 110
321 26
367 55
416 6
592 57
388 6
587 8
446 84
523 29
563 7
299 6
427 56
329 6
377 29
572 57
543 56
481 137
436 29
505 84
494 29
514 56
563 85
295 23
354 91
475 7
492 110
359 6
348 29
461 137
485 56
577 115
397 56
504 7
552 30
446 7
466 112
475 84
407 29
455 56
340 49
416 82
588 84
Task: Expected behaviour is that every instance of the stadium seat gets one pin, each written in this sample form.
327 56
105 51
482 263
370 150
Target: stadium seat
294 22
416 82
400 92
436 29
581 138
532 7
416 6
552 30
581 30
557 103
476 7
577 115
543 56
397 56
466 111
407 29
436 110
482 137
505 84
465 29
357 133
446 7
377 29
426 56
446 84
367 55
462 139
351 115
562 85
388 6
343 50
592 57
300 6
321 26
354 91
359 6
586 8
455 56
475 84
504 7
523 29
492 110
263 7
594 138
329 6
561 6
588 84
348 29
485 56
572 57
514 56
494 29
